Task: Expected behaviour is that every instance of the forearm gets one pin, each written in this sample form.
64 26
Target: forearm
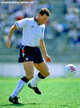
12 29
43 48
11 32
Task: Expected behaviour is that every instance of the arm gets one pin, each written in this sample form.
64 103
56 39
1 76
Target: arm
42 47
12 29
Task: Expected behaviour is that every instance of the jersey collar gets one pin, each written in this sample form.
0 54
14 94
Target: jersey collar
36 20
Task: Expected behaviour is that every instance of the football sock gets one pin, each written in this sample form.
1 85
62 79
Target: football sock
36 79
22 82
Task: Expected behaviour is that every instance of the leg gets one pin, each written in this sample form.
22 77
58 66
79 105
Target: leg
42 68
44 72
28 66
29 70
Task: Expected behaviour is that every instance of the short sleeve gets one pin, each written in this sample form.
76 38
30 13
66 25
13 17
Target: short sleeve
42 32
21 23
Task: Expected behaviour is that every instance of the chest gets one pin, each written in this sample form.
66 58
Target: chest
34 28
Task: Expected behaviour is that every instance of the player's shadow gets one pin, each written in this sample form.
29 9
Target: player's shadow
64 105
20 105
12 105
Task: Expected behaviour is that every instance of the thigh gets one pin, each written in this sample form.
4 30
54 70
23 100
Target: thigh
29 69
42 68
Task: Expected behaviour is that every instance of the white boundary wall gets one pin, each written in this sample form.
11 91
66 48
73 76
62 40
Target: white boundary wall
16 69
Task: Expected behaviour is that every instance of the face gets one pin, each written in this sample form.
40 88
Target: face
42 19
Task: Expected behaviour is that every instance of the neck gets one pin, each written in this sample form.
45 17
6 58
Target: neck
37 19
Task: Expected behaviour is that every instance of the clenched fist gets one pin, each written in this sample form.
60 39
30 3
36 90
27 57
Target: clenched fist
48 58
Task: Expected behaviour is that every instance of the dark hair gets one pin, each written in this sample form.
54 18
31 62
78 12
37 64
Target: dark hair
44 11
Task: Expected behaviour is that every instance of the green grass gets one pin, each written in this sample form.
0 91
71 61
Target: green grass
56 93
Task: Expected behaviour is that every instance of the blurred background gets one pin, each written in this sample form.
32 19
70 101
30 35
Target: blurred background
62 34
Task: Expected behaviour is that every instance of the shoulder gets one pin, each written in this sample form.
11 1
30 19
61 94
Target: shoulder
29 19
43 26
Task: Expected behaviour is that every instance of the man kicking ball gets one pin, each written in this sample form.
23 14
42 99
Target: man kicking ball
30 54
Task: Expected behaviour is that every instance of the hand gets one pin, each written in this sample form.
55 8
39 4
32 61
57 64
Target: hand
48 58
8 43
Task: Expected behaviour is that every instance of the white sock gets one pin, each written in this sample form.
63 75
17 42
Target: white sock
35 80
18 88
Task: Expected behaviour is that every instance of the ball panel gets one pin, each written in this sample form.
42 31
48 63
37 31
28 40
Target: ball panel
70 70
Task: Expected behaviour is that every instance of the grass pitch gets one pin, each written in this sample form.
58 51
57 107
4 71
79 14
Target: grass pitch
56 93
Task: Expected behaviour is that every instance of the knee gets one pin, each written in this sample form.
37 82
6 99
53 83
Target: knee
45 74
29 77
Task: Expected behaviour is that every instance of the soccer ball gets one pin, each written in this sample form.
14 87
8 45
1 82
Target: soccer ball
70 70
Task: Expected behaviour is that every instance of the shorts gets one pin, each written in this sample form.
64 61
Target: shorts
28 53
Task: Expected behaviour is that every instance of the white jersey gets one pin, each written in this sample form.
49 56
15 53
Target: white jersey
32 32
